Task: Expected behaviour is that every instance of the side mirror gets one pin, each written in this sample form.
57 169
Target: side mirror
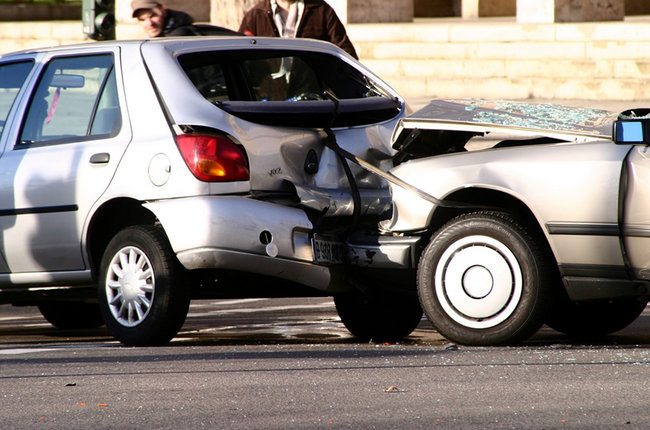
632 127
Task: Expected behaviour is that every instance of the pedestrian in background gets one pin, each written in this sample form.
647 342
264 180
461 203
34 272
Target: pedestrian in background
313 19
159 21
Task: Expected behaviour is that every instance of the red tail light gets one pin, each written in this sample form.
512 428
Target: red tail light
213 159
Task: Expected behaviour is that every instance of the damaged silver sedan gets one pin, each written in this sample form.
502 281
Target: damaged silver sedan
532 214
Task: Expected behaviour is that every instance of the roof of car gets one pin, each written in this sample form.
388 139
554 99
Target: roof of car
188 42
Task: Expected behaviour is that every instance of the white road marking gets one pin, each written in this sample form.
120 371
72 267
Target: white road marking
264 309
225 302
16 351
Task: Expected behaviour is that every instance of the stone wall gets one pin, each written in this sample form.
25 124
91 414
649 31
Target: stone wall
503 59
229 13
450 8
436 8
39 12
359 11
497 8
589 10
486 8
548 11
637 7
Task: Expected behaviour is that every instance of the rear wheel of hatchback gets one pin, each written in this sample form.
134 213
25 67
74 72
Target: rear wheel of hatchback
379 315
142 293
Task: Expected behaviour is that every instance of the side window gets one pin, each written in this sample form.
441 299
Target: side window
12 77
76 97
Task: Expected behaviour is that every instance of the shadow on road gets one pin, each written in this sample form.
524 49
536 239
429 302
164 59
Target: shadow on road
25 327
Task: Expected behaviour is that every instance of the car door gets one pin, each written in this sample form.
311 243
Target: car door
636 215
59 160
13 75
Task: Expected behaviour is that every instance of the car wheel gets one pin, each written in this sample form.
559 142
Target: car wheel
594 318
379 315
72 315
481 280
142 294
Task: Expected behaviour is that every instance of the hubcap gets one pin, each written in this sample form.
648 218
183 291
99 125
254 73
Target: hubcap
478 282
130 285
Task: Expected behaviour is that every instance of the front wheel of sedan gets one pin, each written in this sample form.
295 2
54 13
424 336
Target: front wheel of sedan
142 294
482 279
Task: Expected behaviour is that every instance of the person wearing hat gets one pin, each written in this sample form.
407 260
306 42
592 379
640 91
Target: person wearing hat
159 21
313 19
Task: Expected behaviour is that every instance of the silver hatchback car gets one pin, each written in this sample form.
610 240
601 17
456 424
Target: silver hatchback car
137 175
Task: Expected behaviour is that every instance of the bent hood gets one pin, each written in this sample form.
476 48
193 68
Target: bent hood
448 126
503 113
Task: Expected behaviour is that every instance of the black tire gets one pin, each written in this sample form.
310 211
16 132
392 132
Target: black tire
379 315
481 280
593 318
72 315
142 293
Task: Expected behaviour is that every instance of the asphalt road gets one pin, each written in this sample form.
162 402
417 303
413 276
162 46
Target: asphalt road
290 364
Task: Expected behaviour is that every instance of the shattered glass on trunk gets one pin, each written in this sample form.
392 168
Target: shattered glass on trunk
544 116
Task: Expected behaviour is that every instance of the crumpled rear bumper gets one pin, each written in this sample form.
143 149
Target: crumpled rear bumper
239 233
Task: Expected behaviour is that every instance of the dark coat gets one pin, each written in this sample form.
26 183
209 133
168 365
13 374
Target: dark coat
178 23
319 21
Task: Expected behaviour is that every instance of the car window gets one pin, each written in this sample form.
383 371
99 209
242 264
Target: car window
12 77
275 76
76 97
285 78
210 80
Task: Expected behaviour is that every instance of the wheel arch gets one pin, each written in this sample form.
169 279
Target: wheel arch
483 198
108 220
486 198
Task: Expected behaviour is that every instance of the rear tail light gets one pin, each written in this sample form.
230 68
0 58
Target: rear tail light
213 159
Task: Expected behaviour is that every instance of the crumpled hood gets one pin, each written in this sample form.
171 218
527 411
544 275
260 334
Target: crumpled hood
541 116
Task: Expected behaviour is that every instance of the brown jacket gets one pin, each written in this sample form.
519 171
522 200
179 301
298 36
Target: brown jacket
319 21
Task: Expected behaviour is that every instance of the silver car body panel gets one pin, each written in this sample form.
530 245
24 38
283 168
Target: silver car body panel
636 221
242 234
582 180
42 280
276 154
519 173
53 185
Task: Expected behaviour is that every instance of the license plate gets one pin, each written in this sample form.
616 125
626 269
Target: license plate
328 251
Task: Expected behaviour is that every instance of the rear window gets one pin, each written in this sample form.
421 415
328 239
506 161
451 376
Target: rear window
275 76
262 86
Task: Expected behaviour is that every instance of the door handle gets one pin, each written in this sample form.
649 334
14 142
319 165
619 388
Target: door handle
100 158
